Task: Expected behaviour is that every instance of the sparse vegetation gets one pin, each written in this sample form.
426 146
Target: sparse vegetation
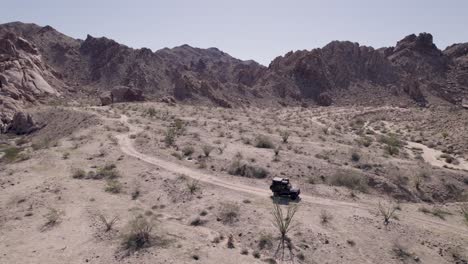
387 212
350 179
193 186
78 174
229 212
109 171
108 224
284 135
401 251
265 241
11 154
52 218
169 137
113 186
437 212
325 217
188 151
207 150
283 223
262 141
355 156
237 167
138 235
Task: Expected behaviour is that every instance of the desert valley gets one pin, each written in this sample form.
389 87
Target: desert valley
110 154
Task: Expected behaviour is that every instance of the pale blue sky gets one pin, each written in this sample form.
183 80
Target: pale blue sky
259 30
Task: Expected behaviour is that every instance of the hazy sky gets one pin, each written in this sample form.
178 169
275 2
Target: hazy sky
247 29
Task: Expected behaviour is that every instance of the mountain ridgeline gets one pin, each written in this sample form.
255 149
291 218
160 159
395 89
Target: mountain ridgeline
37 63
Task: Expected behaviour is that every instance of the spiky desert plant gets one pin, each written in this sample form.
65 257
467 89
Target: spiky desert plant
108 224
282 220
387 212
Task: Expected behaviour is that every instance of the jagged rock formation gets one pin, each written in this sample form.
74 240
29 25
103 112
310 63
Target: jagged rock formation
24 77
37 61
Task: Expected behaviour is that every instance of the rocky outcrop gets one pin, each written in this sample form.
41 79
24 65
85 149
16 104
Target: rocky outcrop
126 94
23 123
24 77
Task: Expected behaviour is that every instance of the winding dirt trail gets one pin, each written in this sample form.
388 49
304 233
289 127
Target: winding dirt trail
127 147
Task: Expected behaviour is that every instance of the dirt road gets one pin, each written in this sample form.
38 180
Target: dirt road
127 147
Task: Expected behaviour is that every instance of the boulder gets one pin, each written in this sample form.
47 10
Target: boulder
23 123
168 100
106 98
324 99
126 94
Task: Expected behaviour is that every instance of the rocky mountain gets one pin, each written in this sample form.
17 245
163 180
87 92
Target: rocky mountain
38 62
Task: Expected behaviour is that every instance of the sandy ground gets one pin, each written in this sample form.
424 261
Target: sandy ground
133 140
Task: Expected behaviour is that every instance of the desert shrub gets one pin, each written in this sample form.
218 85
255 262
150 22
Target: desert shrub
52 218
138 235
207 150
262 141
387 212
179 126
66 155
244 251
355 156
448 158
196 221
392 150
177 155
135 193
437 212
349 179
43 144
237 167
21 141
193 186
109 171
401 251
392 144
265 241
229 212
230 241
325 217
169 137
113 186
188 150
284 135
256 254
11 154
246 140
365 141
78 174
151 112
108 224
